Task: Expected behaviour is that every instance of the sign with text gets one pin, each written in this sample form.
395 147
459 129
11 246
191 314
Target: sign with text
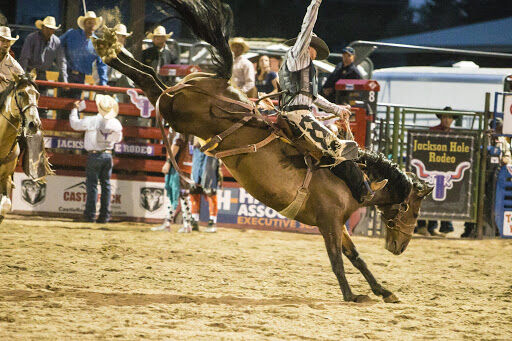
66 195
237 207
78 144
445 160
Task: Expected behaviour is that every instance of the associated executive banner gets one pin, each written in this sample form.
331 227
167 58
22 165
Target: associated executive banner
445 161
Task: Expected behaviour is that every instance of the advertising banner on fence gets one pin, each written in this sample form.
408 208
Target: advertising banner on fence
144 200
66 195
445 161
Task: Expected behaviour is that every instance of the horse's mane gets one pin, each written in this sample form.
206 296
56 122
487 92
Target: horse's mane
23 80
379 167
212 22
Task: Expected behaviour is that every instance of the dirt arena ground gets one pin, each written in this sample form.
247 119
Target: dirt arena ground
67 280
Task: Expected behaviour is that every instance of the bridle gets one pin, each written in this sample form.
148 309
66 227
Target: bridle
14 151
22 111
393 223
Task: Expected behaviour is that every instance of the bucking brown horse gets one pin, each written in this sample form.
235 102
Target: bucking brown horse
272 171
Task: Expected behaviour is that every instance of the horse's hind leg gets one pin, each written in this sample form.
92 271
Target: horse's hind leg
140 66
350 251
333 242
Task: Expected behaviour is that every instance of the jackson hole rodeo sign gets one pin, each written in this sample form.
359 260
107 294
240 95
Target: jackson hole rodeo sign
445 161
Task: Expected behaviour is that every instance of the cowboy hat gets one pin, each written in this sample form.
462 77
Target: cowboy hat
239 41
159 31
318 44
5 32
454 116
49 22
89 15
121 30
107 106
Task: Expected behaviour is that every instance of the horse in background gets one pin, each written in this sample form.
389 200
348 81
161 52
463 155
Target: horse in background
206 105
20 130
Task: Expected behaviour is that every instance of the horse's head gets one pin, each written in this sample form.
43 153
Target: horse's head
24 101
400 219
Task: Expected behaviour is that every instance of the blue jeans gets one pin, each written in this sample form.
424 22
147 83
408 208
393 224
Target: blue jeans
204 170
172 186
99 167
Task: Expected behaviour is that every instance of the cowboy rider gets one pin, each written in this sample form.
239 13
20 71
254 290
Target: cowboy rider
8 65
299 81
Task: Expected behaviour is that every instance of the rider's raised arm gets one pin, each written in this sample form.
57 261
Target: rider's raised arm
299 53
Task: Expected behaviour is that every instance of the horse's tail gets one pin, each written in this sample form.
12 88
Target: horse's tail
212 22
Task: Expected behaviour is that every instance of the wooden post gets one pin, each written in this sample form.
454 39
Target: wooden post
396 133
483 166
137 19
72 10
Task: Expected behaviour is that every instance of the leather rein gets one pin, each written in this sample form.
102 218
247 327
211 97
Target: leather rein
213 142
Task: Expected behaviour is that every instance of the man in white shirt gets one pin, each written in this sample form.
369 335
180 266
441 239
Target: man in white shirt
101 133
243 70
298 77
8 65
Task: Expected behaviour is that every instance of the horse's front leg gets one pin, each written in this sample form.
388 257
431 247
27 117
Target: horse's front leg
5 191
333 242
350 251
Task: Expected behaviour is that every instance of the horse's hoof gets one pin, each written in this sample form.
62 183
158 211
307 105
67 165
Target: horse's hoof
362 299
391 299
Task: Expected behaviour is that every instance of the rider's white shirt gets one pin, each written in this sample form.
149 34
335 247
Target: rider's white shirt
8 68
100 134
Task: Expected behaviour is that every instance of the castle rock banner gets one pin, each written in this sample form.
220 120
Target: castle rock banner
446 161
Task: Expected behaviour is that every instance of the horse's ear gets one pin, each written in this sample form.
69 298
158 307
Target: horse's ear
33 75
425 191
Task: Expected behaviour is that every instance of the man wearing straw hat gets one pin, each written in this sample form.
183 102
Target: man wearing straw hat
42 49
8 65
159 54
80 53
243 70
102 131
116 78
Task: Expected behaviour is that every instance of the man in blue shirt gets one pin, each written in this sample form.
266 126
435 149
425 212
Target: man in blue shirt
80 53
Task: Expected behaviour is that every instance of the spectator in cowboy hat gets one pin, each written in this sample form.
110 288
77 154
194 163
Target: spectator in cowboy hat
42 52
102 131
116 78
243 70
80 53
42 49
8 65
159 54
344 70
